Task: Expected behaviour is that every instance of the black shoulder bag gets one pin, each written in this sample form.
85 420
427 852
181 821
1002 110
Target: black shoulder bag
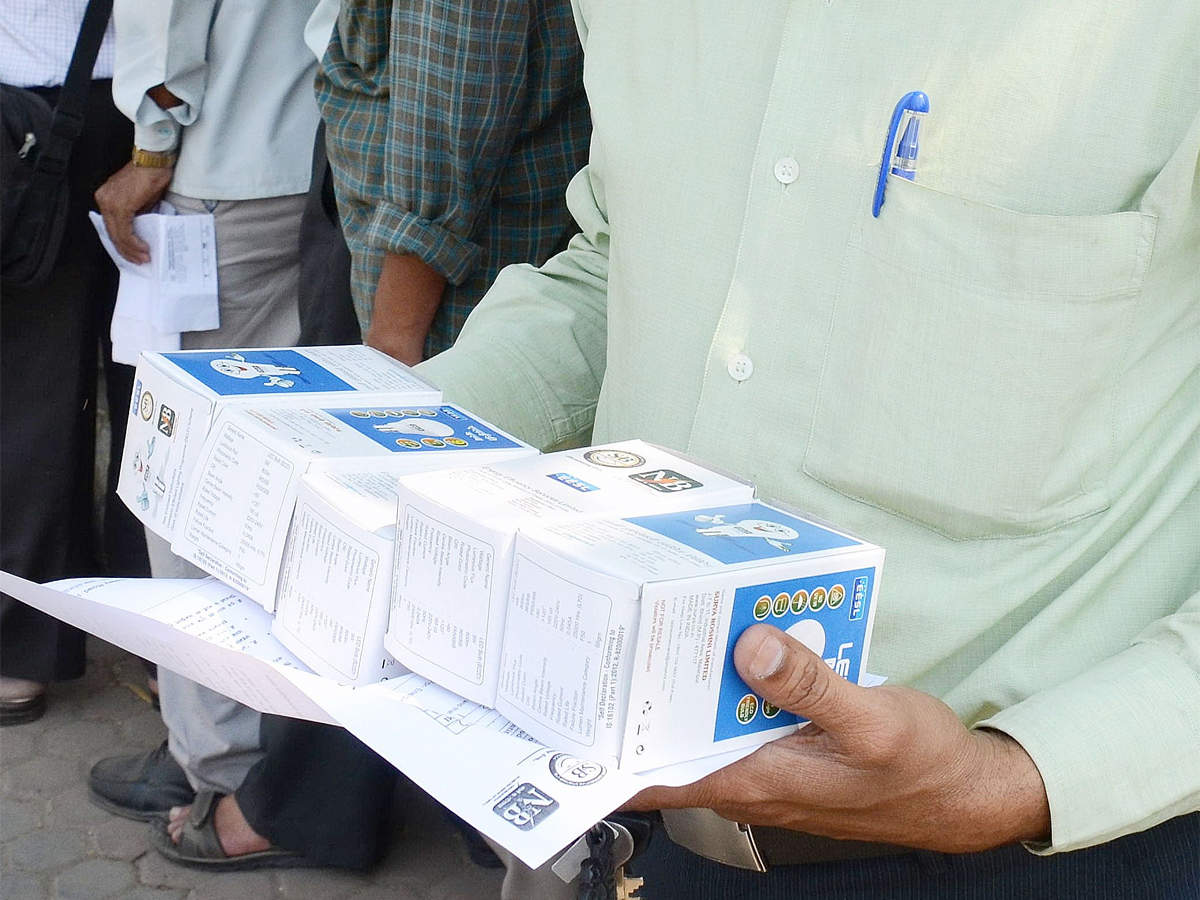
35 147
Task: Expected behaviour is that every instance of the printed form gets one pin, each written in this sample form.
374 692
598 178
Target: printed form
530 798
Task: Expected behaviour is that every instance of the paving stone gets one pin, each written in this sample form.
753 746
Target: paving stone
234 886
19 817
142 892
44 851
119 839
333 883
20 886
17 743
145 730
94 878
40 777
155 871
51 837
328 884
77 739
115 704
71 809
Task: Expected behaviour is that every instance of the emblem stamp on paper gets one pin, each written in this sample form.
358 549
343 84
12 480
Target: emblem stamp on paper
525 806
575 771
615 459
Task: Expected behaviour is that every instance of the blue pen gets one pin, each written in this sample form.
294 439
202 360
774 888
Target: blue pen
900 159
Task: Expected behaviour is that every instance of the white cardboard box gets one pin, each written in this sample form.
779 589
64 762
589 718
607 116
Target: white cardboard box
620 632
236 512
454 550
335 579
177 397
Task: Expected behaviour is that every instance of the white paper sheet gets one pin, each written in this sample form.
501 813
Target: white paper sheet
175 292
529 798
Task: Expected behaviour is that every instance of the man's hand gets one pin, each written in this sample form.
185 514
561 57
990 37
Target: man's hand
129 191
885 764
406 300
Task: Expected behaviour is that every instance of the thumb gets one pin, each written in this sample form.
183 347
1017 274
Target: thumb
787 674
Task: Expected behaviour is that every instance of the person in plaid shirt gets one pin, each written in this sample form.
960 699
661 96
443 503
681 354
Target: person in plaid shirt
452 129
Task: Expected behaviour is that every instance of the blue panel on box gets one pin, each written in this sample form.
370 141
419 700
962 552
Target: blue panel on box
240 372
744 532
415 429
819 612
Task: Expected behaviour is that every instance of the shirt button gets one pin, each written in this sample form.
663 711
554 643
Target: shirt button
787 170
740 367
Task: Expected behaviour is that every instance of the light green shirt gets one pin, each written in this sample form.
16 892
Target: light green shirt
998 379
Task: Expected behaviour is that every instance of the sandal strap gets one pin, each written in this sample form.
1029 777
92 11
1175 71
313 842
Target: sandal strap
199 835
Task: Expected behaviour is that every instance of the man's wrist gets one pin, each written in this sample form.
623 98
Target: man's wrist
1010 801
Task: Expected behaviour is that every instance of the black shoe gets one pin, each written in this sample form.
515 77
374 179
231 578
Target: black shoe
142 786
21 700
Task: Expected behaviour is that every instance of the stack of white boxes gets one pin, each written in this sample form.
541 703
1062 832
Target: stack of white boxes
240 498
178 396
456 538
592 596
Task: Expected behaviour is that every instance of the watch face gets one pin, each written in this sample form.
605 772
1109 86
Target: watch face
615 459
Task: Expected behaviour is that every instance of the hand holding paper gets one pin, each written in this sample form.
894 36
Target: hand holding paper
172 289
129 191
883 764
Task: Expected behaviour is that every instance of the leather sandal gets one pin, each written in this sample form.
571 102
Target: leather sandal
200 848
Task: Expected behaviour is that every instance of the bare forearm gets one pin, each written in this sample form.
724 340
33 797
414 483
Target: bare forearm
406 301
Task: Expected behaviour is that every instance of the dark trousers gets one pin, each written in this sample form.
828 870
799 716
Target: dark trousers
1162 863
53 344
327 314
320 791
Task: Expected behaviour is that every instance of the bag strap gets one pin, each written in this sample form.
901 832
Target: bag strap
72 99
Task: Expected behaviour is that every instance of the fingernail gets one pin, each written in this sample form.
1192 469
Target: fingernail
768 657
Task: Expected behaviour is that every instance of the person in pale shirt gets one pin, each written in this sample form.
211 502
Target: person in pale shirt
997 379
221 100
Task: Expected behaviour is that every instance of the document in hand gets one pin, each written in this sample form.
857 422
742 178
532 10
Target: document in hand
239 501
454 552
175 292
620 632
177 396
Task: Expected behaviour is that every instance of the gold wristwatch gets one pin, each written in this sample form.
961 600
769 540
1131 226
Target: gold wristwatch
154 159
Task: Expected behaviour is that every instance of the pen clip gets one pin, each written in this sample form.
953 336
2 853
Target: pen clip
902 160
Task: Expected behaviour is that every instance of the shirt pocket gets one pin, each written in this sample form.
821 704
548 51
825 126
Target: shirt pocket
969 373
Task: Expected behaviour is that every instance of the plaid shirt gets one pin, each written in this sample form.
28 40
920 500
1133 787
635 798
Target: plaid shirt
453 127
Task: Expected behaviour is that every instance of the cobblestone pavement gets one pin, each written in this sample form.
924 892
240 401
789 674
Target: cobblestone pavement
54 843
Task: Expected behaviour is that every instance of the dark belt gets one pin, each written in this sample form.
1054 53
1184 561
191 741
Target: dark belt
705 833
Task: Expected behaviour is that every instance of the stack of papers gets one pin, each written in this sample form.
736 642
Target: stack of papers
175 292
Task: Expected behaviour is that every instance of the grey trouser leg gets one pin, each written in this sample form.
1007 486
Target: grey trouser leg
216 739
524 883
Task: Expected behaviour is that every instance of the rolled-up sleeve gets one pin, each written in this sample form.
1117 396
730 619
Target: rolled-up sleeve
456 104
161 43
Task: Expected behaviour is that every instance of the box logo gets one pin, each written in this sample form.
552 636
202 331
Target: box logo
572 482
615 459
525 806
858 602
666 481
146 405
166 420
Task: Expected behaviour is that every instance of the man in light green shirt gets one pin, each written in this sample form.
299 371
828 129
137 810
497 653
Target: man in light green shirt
997 379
